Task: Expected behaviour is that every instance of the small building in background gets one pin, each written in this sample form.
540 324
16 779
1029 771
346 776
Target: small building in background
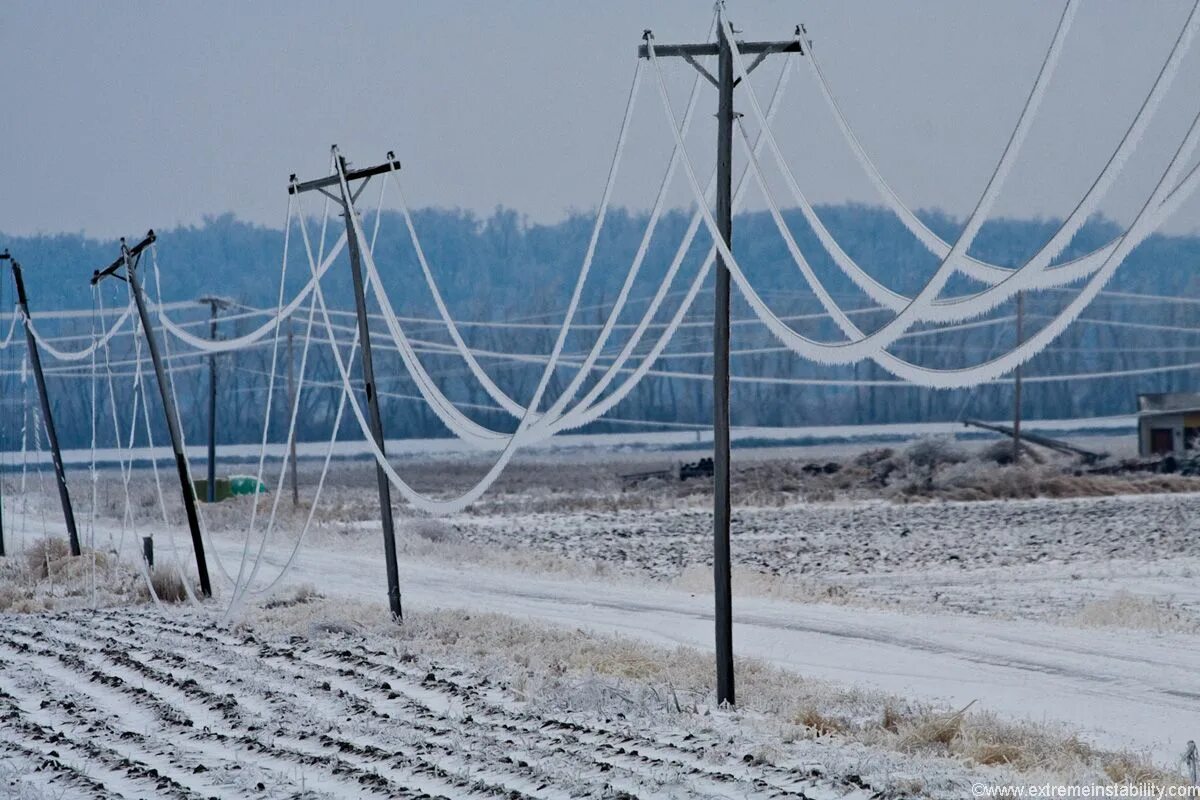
1168 423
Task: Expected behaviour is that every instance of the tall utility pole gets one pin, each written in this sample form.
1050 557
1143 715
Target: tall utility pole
35 361
726 116
216 304
1016 454
130 258
292 405
344 197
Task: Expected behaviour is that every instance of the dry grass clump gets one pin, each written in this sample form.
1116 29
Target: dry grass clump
45 576
1127 610
167 583
821 724
558 670
931 729
1128 770
46 556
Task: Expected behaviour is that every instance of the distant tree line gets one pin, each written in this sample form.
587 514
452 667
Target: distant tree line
501 268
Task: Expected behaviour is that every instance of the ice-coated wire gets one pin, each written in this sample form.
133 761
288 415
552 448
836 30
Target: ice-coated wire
47 344
176 561
201 522
895 328
12 326
266 429
590 410
585 413
128 519
312 510
990 273
418 500
239 342
461 425
240 589
494 391
913 308
837 353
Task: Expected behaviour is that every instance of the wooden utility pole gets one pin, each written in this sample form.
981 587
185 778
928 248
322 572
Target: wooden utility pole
35 362
345 198
1016 454
726 116
215 304
130 259
291 408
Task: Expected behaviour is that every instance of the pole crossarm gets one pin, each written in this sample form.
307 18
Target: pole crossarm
296 187
127 253
691 51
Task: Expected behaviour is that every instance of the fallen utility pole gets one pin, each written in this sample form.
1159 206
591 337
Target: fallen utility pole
1058 445
130 259
725 83
35 362
345 198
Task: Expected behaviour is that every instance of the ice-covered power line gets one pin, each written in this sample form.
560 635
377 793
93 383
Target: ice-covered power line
633 334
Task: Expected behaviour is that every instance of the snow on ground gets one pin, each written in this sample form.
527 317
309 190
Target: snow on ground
120 704
1079 613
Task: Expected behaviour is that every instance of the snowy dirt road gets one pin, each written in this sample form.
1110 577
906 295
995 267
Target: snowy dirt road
149 704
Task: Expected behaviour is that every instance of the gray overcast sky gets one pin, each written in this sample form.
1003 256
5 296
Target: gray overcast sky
118 116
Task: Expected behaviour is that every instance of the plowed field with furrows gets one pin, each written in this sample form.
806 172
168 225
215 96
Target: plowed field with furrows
140 703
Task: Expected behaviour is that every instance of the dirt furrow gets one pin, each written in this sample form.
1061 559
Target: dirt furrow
637 753
610 752
508 765
227 750
429 760
125 766
385 723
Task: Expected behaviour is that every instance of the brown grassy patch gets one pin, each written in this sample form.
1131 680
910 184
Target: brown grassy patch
46 556
167 583
933 729
45 576
821 724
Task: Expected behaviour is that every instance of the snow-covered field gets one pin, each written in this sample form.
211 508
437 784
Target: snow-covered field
1078 617
164 705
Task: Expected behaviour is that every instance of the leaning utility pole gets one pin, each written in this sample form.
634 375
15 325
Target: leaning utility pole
346 199
215 304
725 84
130 259
35 361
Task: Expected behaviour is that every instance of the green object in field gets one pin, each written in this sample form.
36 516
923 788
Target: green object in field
246 484
232 486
